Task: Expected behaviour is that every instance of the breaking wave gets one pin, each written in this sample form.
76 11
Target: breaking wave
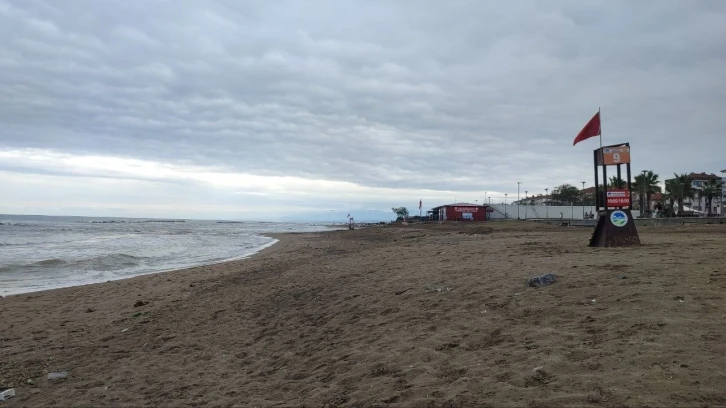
57 252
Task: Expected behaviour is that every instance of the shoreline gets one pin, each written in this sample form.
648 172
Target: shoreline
425 315
233 259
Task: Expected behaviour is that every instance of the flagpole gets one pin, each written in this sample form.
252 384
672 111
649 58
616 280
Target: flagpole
600 115
604 167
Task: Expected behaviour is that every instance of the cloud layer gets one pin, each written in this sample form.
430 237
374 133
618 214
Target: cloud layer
428 98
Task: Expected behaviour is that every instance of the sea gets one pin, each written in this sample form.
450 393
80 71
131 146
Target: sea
42 252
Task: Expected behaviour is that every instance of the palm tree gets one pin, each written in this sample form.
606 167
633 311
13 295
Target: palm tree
680 188
617 182
711 189
647 182
670 197
697 195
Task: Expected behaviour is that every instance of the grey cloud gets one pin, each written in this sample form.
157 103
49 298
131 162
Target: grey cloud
469 95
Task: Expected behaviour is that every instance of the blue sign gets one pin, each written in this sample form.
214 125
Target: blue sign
619 218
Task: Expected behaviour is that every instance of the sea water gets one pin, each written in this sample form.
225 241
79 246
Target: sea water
38 253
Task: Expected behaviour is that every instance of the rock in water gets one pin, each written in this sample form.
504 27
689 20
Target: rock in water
541 280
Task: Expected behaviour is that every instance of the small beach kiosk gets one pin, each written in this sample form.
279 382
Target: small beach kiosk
460 212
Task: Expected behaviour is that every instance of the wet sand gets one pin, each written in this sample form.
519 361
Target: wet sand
419 316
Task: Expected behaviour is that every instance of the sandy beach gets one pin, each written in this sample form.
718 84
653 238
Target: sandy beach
410 316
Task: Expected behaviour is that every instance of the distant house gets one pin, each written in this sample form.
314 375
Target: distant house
656 201
699 201
460 212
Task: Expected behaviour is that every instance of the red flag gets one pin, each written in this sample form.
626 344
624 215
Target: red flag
419 204
592 129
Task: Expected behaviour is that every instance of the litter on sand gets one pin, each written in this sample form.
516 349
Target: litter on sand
6 393
541 280
59 375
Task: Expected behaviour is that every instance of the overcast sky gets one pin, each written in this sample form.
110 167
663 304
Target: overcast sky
253 109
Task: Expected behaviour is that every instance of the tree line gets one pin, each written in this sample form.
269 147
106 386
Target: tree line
677 190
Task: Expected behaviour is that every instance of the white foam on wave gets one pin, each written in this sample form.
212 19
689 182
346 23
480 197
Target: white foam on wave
62 255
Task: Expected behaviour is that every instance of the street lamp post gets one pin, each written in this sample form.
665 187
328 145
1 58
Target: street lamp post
525 206
547 208
723 189
505 205
582 200
518 183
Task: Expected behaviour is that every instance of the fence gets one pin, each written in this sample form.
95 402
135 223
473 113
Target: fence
543 211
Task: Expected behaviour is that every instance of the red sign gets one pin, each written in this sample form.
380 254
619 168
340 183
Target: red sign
618 198
466 209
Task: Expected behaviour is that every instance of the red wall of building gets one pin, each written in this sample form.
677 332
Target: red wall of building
455 213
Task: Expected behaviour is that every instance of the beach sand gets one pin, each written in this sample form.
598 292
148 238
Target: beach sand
419 316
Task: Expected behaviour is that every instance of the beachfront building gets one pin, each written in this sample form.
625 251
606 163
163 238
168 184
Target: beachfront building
698 203
460 212
656 204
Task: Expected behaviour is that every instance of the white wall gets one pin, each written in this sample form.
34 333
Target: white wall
542 211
